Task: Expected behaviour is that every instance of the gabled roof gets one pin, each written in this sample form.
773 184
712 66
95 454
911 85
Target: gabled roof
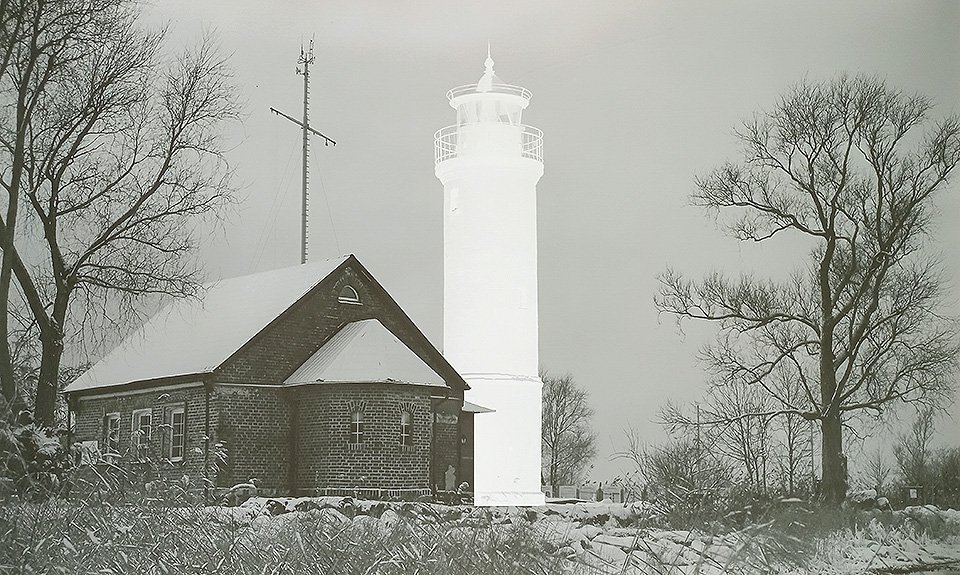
365 352
193 337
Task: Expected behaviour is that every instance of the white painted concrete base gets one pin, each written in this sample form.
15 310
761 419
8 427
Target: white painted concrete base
507 441
507 499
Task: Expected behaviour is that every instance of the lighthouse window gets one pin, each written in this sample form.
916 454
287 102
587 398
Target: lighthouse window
348 295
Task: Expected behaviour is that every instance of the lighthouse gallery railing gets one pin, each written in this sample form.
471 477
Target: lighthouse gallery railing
446 142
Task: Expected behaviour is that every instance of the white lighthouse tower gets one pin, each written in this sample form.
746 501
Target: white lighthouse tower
489 164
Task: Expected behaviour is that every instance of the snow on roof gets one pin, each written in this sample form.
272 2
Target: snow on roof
191 337
365 352
469 407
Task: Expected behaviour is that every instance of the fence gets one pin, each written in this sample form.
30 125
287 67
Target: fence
589 492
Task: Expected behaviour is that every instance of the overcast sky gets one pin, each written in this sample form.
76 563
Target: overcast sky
634 98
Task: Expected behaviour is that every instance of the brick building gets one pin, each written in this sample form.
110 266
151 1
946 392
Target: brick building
310 379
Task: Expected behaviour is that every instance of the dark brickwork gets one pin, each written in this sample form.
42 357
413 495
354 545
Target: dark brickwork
278 350
297 438
90 413
466 448
446 443
328 460
253 425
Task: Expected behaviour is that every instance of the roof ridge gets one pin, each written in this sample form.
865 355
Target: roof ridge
341 259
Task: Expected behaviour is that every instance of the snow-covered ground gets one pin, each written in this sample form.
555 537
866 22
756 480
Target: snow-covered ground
615 538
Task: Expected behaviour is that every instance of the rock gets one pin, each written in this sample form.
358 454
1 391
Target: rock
275 507
923 515
625 543
609 554
389 519
883 504
348 507
331 516
863 499
556 531
302 504
580 547
451 513
588 531
252 502
372 508
366 522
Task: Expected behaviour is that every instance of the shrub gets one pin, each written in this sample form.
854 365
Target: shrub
35 460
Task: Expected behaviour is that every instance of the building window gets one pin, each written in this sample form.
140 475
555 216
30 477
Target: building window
349 295
178 433
111 433
356 427
406 428
140 427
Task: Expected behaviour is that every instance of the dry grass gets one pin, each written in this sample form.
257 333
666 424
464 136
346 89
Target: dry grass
60 536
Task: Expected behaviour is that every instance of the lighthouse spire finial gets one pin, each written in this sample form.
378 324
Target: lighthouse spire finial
486 81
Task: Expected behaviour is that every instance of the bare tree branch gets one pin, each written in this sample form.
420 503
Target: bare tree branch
862 326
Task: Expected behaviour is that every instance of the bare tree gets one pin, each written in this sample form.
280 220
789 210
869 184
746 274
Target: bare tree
912 450
720 427
860 325
116 158
792 452
877 471
767 450
569 443
680 471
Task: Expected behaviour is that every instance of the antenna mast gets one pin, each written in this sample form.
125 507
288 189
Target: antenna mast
306 58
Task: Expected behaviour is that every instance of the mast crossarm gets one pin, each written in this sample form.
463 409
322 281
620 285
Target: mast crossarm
327 140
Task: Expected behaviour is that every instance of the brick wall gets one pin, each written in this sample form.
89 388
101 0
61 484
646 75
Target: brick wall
466 448
89 426
253 424
327 459
446 443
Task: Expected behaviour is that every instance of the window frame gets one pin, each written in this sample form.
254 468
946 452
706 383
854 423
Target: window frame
406 439
348 295
356 427
113 449
182 411
140 443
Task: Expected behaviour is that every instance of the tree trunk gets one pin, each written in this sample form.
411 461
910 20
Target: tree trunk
51 353
834 481
8 382
48 383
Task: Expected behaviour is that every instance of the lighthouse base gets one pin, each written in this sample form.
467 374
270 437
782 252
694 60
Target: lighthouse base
508 499
506 441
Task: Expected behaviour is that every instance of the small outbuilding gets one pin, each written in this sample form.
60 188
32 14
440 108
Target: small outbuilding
309 379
